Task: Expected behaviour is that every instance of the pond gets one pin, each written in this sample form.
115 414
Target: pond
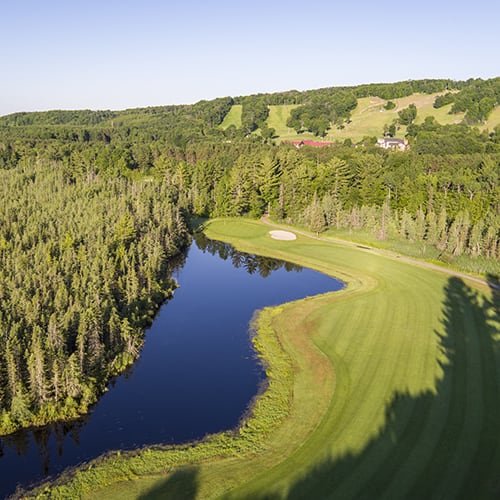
197 372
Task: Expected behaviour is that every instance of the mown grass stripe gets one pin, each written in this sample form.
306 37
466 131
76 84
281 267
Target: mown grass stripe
384 454
469 398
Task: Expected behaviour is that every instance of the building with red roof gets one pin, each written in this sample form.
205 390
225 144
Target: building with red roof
308 142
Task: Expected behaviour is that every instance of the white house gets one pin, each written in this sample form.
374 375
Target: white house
393 143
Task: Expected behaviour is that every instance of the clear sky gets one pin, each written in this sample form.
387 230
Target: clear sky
115 54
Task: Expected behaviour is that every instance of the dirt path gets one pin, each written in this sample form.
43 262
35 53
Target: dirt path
386 253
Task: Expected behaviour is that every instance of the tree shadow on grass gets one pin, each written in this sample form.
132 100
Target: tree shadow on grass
436 445
494 283
182 484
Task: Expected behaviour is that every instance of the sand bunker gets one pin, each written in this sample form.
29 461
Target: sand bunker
282 235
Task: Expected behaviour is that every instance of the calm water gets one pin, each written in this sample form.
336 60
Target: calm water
196 375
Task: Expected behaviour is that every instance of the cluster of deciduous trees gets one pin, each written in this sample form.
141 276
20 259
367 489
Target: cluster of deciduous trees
407 115
317 115
476 99
254 114
432 138
83 267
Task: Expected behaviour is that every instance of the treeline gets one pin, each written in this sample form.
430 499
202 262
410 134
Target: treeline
400 194
184 124
177 125
83 268
453 237
476 99
432 138
382 90
455 167
201 114
57 117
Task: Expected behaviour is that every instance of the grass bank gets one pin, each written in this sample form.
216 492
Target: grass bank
480 266
387 389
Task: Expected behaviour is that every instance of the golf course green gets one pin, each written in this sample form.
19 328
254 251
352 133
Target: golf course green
386 389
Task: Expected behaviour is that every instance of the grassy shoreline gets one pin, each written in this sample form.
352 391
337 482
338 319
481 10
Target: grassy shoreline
349 371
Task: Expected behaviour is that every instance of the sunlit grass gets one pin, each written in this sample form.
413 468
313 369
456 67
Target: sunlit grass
369 118
381 390
278 116
493 120
233 117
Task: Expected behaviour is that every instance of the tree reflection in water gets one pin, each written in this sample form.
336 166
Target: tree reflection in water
264 266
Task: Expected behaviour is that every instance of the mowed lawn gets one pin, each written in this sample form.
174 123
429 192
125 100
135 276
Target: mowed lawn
233 117
394 394
415 411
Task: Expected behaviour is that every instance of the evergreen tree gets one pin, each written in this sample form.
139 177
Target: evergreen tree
432 228
442 230
314 216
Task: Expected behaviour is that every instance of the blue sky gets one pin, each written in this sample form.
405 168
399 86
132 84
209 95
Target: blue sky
115 54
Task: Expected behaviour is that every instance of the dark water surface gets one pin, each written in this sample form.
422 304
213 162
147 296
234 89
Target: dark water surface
196 374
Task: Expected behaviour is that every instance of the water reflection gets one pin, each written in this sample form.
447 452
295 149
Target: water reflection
197 373
264 266
47 440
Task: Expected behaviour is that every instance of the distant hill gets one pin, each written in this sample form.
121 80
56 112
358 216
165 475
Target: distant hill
369 118
335 113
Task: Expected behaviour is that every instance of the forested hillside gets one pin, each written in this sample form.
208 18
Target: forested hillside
94 204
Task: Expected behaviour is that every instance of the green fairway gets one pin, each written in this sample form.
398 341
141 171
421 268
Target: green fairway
233 117
278 116
386 389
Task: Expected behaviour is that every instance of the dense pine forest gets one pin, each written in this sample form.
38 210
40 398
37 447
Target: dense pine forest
84 266
96 203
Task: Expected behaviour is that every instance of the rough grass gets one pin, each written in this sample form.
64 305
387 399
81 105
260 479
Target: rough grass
278 116
369 118
387 389
233 117
493 120
480 266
